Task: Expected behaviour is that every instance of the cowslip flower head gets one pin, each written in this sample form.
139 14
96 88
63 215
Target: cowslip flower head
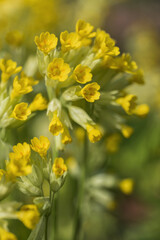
5 235
59 167
56 126
90 92
58 70
21 111
94 133
82 74
8 68
40 145
128 103
29 215
46 42
69 41
38 103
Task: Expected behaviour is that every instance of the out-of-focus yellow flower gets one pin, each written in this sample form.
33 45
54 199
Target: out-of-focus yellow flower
20 151
69 41
126 131
128 103
58 70
104 45
22 86
59 167
8 68
66 138
5 235
84 30
94 133
14 38
112 142
46 42
82 74
137 77
21 111
19 164
40 145
90 92
55 126
2 172
80 134
29 215
38 103
126 185
141 110
124 64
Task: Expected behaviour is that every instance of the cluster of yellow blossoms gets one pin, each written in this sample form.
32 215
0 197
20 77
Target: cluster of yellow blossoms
91 72
32 171
12 90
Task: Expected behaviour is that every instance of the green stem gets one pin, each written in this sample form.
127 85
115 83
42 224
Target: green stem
78 216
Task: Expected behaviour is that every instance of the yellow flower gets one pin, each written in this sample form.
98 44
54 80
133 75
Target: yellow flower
39 103
66 138
59 167
58 70
2 172
82 74
128 103
126 185
14 38
90 92
84 30
20 152
126 131
55 126
22 85
112 142
137 77
46 42
8 68
21 111
5 235
104 45
40 145
69 41
19 164
124 64
141 110
94 133
29 215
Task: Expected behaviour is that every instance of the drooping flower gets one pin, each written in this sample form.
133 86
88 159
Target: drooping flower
59 167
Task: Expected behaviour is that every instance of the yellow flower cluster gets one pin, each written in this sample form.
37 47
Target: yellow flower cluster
12 106
86 67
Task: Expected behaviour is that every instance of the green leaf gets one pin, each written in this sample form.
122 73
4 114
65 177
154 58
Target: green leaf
38 232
